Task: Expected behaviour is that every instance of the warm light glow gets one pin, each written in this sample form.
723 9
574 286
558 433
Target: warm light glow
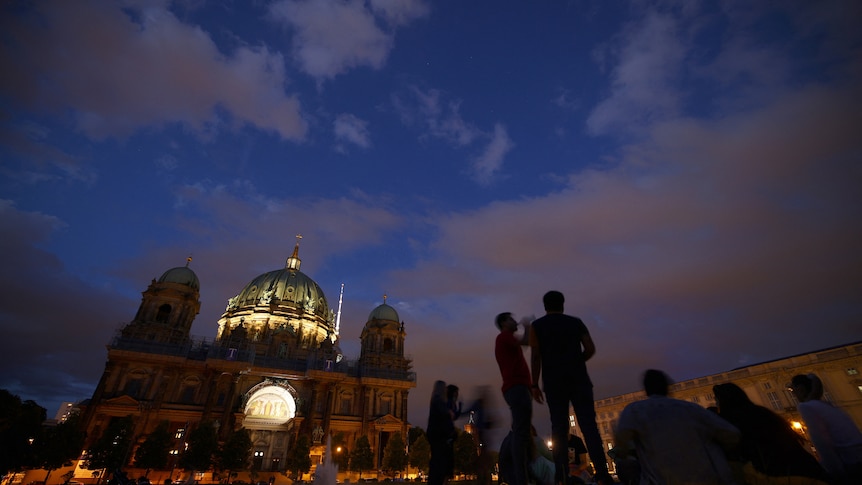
550 445
338 449
796 425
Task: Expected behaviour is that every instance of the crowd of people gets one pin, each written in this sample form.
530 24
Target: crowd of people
658 441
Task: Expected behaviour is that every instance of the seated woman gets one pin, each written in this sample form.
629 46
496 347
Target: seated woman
770 450
835 436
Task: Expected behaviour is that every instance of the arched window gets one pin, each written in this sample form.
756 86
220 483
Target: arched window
387 345
164 313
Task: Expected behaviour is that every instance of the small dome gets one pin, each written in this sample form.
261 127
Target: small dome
182 275
384 312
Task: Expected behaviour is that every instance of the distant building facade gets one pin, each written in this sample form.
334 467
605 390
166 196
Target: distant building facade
767 384
274 368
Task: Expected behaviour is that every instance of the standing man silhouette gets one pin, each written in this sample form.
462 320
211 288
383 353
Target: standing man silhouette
516 392
561 346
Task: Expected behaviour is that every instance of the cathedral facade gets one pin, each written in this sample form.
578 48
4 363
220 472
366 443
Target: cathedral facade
274 368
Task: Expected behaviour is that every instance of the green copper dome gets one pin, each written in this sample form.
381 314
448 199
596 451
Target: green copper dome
182 275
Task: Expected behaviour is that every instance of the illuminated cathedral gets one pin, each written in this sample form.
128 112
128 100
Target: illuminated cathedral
274 368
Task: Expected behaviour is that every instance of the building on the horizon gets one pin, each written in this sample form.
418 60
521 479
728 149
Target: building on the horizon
274 368
65 410
766 384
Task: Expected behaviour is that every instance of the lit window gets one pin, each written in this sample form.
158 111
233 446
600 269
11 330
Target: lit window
180 432
852 371
774 400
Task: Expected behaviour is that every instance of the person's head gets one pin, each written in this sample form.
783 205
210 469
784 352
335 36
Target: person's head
730 398
553 301
438 391
451 392
504 321
656 383
806 387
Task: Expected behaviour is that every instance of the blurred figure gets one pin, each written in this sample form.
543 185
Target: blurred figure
835 436
441 435
481 427
770 451
677 442
516 392
542 467
578 461
561 346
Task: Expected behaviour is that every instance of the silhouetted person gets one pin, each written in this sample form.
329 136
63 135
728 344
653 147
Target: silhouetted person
561 346
768 442
834 434
516 392
677 442
441 435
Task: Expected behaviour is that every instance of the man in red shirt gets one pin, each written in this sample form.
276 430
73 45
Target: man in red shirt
517 393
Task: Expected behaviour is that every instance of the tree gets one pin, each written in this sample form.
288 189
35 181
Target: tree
233 455
465 454
111 450
59 445
394 455
202 446
413 434
155 450
362 457
298 460
340 453
19 422
420 453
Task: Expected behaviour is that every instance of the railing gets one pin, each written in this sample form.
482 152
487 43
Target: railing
199 348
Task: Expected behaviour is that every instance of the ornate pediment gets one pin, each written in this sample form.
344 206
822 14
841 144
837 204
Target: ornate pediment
123 400
387 419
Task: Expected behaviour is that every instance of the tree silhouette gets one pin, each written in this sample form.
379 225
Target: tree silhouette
58 446
465 454
19 422
111 450
394 455
362 457
420 453
202 445
298 460
234 453
155 450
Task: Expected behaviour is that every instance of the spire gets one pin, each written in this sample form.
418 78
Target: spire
188 260
384 298
338 315
293 261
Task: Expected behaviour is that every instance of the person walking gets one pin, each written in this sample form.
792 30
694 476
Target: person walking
516 392
560 348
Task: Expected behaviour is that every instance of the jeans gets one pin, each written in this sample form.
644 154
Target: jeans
581 399
520 402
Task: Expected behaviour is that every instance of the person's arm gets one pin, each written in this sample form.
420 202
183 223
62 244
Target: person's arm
527 326
535 365
589 346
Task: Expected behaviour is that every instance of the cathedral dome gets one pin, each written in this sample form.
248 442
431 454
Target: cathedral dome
284 291
182 275
383 312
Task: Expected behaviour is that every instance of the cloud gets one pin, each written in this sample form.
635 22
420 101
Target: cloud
643 88
41 356
331 37
488 164
400 12
748 221
120 71
351 129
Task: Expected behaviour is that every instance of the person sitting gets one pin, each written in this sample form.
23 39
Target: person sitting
835 436
677 442
770 451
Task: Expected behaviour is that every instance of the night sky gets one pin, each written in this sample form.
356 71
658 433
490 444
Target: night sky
687 173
